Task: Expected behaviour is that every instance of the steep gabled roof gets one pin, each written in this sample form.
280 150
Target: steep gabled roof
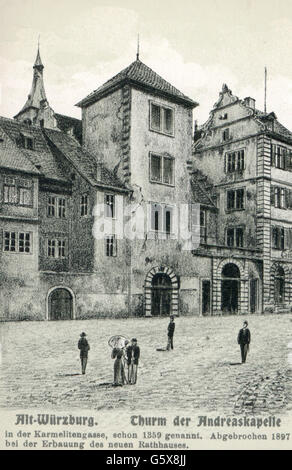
41 159
138 74
11 156
82 161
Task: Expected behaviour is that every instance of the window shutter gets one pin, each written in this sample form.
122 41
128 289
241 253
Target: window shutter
272 195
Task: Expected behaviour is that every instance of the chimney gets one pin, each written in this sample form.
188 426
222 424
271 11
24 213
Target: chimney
250 102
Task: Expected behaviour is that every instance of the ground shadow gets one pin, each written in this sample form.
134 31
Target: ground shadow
68 375
105 384
235 363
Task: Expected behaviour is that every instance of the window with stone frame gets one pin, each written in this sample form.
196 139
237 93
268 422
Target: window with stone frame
84 205
56 207
56 248
281 198
17 190
234 237
10 193
162 218
17 242
278 238
161 169
235 199
281 157
161 118
234 161
109 206
110 245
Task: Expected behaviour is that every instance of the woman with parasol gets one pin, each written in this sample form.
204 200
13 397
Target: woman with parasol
118 343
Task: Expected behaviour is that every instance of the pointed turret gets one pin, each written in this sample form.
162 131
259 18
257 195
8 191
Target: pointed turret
36 109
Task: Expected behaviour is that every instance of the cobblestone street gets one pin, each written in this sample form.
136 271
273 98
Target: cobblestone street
41 366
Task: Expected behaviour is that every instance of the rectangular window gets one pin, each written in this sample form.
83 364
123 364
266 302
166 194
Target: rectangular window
203 227
24 242
168 220
156 168
51 206
56 207
56 248
161 169
278 238
25 197
110 245
61 248
225 135
161 218
10 241
235 161
167 170
281 198
84 205
234 237
61 208
51 248
235 199
17 242
161 119
109 205
28 143
279 156
156 217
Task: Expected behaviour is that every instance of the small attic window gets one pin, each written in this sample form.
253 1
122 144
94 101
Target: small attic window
28 142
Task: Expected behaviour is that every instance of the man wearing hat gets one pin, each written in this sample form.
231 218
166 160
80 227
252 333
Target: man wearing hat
133 354
84 347
170 333
243 340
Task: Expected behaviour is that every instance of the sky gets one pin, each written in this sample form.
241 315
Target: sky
196 45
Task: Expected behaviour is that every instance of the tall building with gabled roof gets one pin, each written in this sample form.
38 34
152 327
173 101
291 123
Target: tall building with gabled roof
247 155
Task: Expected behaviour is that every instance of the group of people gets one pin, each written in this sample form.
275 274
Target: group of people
127 355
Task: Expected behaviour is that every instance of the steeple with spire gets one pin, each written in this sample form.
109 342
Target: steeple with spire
36 109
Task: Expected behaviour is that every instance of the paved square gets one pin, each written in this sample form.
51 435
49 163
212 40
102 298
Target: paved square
41 366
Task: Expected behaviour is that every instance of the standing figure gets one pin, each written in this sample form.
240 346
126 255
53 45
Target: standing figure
170 333
133 354
84 347
117 354
243 340
125 363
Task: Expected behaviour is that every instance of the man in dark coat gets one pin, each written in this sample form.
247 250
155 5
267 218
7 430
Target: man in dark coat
243 340
170 333
133 355
84 347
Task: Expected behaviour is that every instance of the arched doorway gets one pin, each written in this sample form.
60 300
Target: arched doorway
230 288
161 294
60 304
279 285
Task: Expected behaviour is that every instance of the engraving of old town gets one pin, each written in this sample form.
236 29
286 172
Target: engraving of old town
145 225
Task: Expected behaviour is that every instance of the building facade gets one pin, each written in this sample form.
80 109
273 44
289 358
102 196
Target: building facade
114 215
247 156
